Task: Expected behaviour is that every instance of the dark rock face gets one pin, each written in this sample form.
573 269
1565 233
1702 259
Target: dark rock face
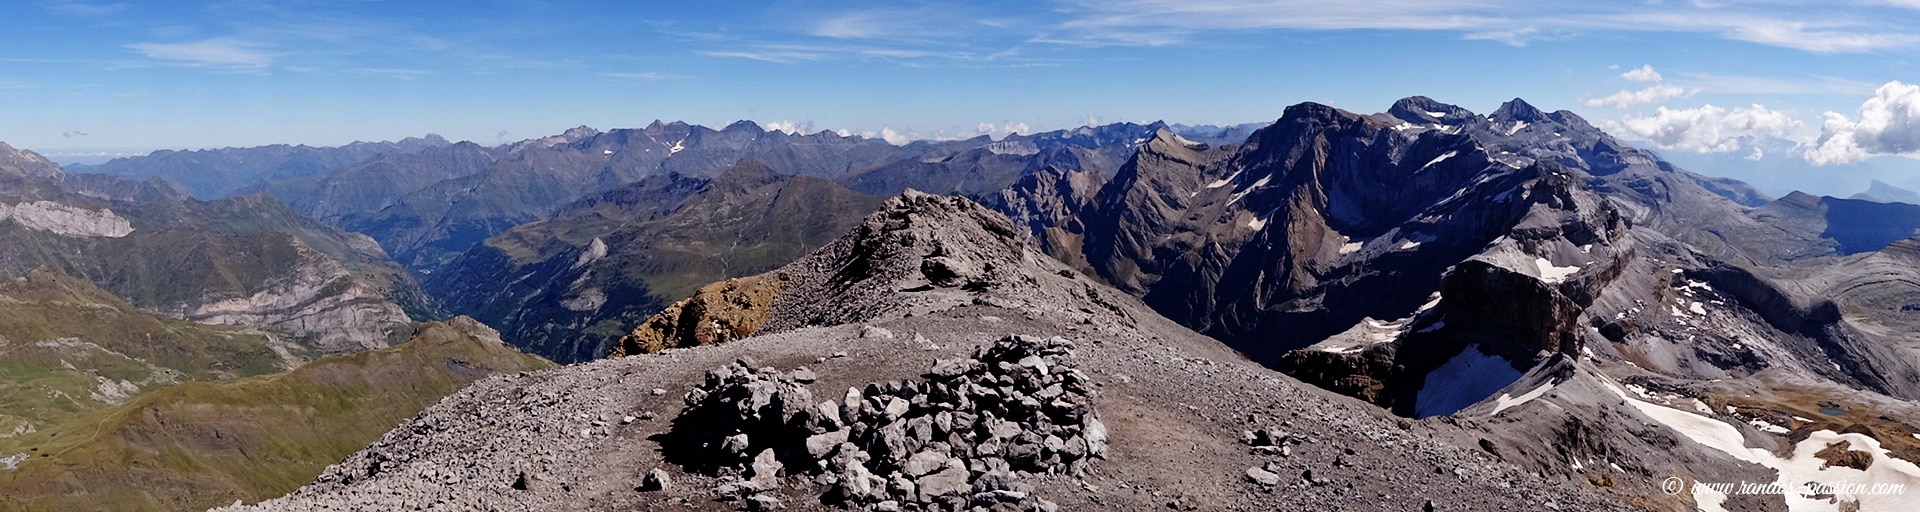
957 439
1321 219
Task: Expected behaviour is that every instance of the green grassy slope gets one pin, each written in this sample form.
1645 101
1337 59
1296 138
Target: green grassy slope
196 445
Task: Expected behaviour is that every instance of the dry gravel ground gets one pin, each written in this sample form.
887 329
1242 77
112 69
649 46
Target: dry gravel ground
1176 405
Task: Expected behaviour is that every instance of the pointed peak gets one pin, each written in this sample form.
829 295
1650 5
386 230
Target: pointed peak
579 132
1518 110
745 174
1424 110
744 125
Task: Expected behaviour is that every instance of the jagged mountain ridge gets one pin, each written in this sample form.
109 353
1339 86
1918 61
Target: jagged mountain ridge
217 173
574 282
426 229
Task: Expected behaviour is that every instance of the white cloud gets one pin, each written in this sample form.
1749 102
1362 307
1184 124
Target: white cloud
1654 94
1003 130
220 52
1887 124
790 127
1644 73
1708 129
897 137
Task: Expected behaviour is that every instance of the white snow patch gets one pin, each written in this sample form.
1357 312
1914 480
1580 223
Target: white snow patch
1442 158
1697 309
1707 499
1517 126
677 147
1433 300
1702 407
1802 466
1553 274
1505 401
1767 427
1257 223
1432 114
1225 181
607 152
1464 380
1414 240
1256 186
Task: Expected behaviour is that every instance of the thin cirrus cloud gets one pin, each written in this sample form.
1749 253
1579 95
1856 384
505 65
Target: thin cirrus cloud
1843 29
217 52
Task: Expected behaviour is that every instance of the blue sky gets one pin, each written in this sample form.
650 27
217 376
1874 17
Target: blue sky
1709 75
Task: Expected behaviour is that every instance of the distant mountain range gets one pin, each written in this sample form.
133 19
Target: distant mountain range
1427 260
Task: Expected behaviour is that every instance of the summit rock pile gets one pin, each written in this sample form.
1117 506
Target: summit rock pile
959 439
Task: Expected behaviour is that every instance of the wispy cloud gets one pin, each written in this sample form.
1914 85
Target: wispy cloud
648 76
217 52
768 55
78 8
402 74
1656 93
1839 29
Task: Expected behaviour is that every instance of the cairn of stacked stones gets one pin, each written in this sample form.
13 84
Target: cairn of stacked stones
961 439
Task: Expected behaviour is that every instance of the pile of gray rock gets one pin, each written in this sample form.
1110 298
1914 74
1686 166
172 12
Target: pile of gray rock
961 439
